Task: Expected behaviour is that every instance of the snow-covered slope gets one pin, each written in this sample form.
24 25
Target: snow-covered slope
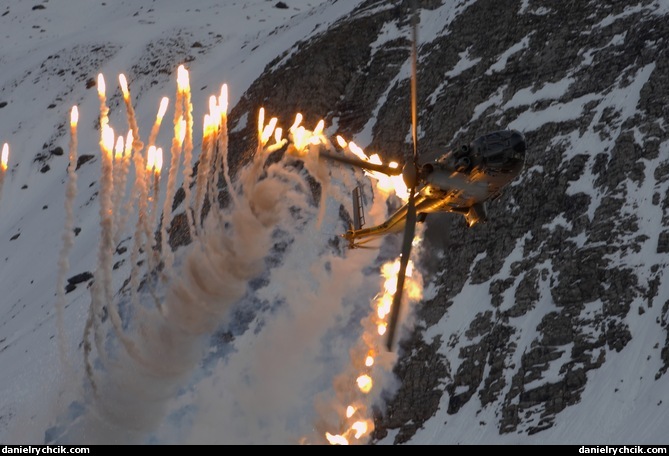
546 325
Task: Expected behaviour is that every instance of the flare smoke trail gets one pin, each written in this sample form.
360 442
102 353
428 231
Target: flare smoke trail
121 214
101 290
145 353
222 158
213 272
68 236
202 178
188 156
173 171
347 418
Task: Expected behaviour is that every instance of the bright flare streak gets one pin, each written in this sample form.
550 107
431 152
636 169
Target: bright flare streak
381 328
342 142
108 139
101 85
336 439
300 138
364 383
180 130
163 108
124 86
261 121
5 156
277 135
400 187
319 127
182 79
298 121
158 164
386 184
214 110
357 151
390 269
268 130
385 303
350 410
74 116
119 149
128 144
206 126
223 100
150 158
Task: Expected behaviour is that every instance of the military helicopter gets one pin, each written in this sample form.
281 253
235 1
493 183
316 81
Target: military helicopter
462 181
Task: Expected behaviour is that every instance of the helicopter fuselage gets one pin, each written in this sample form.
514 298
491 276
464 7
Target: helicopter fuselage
462 181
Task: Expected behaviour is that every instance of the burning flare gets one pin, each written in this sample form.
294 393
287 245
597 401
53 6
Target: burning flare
4 158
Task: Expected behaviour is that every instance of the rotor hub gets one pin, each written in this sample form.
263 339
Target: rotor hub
410 175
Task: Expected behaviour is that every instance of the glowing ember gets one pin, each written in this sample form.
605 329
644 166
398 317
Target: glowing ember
364 383
5 156
369 361
350 410
342 142
360 428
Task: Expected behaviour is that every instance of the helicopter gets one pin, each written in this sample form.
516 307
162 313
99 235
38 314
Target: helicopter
463 180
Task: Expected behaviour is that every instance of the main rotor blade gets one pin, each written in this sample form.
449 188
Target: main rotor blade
385 169
409 231
414 83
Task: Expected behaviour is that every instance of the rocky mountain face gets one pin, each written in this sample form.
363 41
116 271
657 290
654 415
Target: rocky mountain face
588 84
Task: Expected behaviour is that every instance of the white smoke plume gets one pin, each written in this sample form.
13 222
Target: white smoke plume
138 364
